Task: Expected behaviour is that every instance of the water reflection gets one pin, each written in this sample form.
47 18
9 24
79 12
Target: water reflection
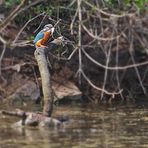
93 127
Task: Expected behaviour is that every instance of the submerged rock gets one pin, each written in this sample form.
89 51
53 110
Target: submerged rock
35 119
28 92
47 122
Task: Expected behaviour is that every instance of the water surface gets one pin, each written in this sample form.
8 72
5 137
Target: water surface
89 127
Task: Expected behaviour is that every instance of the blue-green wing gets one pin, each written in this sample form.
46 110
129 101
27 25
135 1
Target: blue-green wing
39 36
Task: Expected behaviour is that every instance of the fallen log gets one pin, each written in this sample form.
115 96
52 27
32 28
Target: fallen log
32 119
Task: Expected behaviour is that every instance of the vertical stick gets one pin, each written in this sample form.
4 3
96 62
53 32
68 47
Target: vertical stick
80 38
108 53
133 60
46 82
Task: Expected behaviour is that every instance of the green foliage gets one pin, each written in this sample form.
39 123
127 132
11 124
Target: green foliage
140 4
9 3
30 37
33 11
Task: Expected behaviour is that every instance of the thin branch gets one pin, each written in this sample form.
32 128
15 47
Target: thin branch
98 88
1 58
117 72
3 40
63 58
22 43
136 69
80 38
97 37
71 55
21 30
113 68
40 23
30 5
72 3
4 24
73 20
16 12
106 70
108 14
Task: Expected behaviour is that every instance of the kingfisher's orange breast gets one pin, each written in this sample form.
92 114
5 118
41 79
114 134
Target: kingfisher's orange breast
46 37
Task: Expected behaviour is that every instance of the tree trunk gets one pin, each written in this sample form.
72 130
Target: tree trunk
40 56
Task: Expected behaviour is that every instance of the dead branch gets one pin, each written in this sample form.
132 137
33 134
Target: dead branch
108 53
30 5
26 24
72 22
1 58
136 69
98 25
79 39
4 24
97 37
16 67
116 67
16 12
109 14
3 40
100 89
41 22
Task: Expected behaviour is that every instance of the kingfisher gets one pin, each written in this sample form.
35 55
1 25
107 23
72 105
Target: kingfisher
43 36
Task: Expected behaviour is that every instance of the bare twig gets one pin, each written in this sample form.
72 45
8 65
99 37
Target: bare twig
108 14
1 58
3 40
116 67
30 5
97 37
16 12
98 88
136 69
117 72
40 23
72 22
108 53
80 38
21 30
4 24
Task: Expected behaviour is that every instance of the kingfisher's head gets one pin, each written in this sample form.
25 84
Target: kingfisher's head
49 28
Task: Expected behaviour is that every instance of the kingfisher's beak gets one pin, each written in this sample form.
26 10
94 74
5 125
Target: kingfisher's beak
52 30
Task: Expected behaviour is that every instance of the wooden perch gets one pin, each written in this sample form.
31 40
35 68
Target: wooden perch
40 55
46 83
